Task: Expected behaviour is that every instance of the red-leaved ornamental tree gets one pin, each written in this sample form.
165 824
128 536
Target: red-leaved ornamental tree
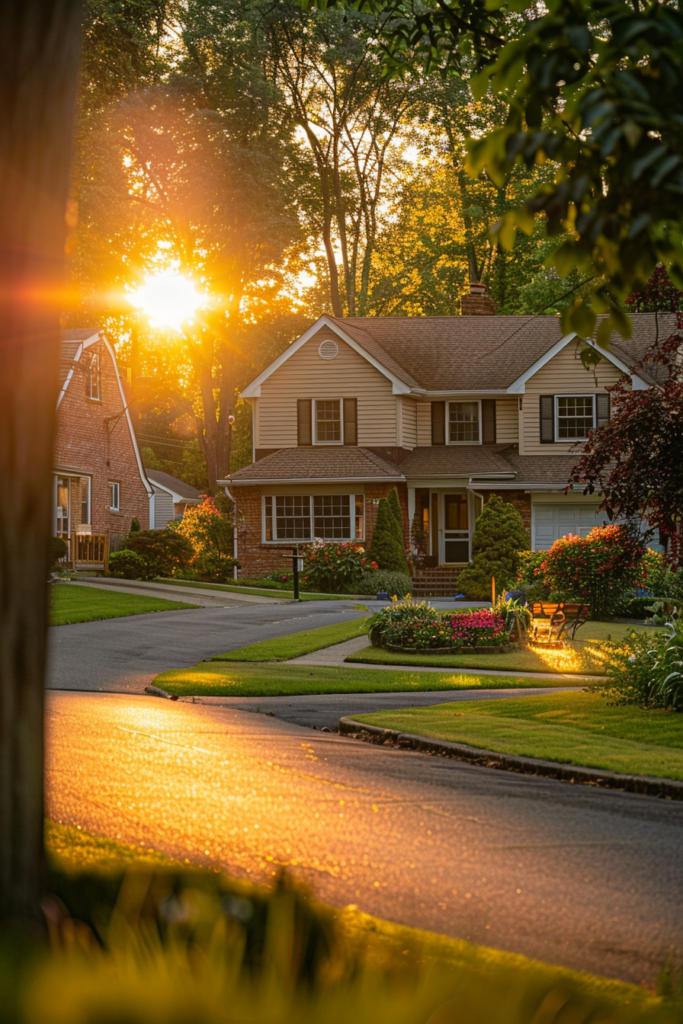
636 459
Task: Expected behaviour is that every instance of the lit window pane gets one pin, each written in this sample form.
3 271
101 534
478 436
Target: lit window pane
574 417
293 517
463 421
331 516
328 421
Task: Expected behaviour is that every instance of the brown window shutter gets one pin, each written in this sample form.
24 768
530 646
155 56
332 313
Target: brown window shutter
304 412
547 411
438 422
601 410
488 421
350 421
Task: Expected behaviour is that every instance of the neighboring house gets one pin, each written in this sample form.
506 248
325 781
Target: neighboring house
171 497
99 480
447 409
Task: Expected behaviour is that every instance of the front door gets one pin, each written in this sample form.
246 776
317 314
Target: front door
456 531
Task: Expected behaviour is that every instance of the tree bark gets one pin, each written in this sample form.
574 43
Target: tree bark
39 56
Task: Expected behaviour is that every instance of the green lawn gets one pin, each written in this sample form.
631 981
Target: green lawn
70 603
235 588
571 728
294 645
582 656
259 679
494 981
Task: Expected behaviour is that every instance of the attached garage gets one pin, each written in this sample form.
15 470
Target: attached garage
552 521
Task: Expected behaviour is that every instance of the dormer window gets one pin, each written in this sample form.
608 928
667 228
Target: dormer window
92 381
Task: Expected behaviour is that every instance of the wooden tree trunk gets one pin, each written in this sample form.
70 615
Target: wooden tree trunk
39 57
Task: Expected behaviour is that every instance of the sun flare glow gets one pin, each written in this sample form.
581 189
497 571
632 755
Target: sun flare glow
168 299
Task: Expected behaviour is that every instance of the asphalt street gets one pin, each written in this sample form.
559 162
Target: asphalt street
123 655
571 875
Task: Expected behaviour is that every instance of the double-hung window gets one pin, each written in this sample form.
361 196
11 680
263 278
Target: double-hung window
328 421
92 382
114 496
290 517
464 423
574 417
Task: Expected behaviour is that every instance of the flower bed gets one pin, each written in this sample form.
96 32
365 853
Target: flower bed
407 626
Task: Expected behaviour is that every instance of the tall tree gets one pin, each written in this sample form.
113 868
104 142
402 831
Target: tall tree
170 187
39 55
348 116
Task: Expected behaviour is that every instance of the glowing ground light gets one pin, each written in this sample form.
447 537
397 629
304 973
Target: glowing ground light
169 299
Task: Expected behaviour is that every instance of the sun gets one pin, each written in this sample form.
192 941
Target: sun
168 298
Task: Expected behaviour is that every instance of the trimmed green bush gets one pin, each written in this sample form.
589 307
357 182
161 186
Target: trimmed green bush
386 549
379 581
59 549
127 565
499 537
395 509
164 552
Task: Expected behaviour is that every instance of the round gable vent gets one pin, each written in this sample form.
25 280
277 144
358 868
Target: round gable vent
328 349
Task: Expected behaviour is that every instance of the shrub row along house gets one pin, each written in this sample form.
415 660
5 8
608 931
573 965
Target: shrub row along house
100 484
448 410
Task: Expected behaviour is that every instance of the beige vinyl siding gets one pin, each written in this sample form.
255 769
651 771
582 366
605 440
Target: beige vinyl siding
424 424
562 375
306 375
256 422
408 423
164 509
507 421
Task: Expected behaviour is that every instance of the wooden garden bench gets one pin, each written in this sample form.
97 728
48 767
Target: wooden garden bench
549 621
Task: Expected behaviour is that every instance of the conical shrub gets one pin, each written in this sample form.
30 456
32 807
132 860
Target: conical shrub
385 548
498 538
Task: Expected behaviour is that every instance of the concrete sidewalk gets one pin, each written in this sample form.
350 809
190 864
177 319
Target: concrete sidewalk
337 654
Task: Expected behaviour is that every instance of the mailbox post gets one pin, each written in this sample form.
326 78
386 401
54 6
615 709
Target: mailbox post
297 567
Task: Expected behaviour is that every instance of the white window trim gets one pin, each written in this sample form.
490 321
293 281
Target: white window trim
573 394
314 425
468 401
291 541
117 485
94 361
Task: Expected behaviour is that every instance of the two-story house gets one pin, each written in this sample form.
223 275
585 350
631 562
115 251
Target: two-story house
100 484
446 409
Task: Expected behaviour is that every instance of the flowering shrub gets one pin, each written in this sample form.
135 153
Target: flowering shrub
210 532
335 568
419 627
596 569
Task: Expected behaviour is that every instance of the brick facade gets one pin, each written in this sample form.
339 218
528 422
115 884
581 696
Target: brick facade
94 440
257 558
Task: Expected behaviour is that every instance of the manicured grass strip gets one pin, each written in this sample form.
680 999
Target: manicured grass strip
524 660
272 680
71 603
382 943
570 728
256 591
294 645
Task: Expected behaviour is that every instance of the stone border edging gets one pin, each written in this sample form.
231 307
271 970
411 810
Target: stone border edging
667 789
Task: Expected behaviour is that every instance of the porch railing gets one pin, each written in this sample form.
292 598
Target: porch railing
90 551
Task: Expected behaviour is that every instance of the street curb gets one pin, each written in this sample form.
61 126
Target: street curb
666 789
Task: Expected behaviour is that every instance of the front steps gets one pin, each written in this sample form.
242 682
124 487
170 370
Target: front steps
441 581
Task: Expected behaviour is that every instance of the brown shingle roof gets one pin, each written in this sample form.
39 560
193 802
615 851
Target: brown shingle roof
456 460
317 464
71 340
486 353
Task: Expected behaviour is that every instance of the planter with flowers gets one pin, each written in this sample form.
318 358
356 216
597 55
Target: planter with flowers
409 626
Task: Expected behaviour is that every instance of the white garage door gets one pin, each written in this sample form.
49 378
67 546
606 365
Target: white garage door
554 521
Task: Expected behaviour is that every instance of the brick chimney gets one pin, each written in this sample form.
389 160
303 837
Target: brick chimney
477 303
